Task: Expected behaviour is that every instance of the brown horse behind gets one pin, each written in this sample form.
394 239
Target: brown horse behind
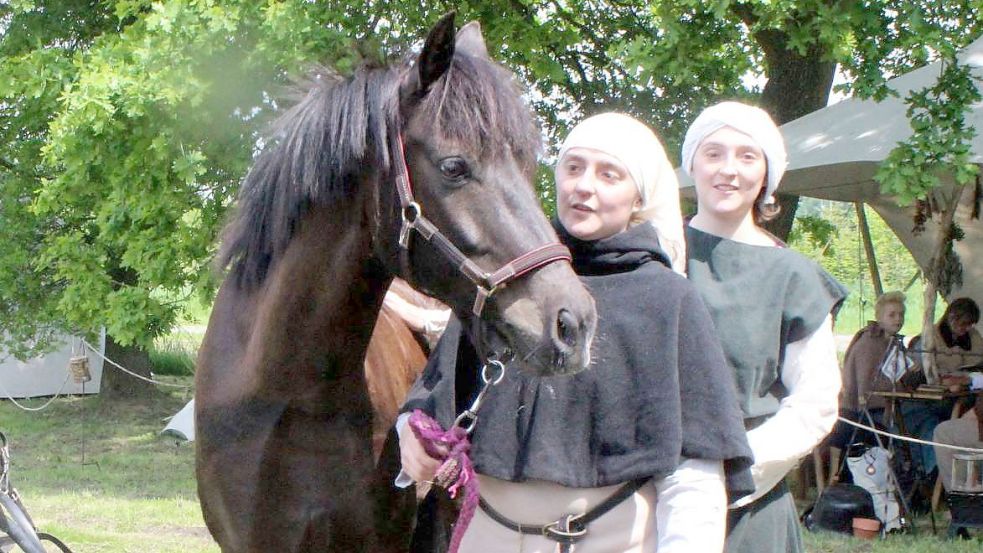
397 354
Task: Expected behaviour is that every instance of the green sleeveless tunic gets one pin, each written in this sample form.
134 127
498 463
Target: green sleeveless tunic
761 299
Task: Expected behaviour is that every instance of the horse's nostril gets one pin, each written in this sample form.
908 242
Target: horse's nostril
566 328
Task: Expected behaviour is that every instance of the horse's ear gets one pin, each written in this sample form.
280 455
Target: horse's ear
438 51
470 41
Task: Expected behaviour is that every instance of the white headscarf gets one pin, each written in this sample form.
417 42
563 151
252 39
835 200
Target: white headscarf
752 121
639 150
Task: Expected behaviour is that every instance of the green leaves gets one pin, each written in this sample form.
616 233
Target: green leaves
126 125
940 143
124 154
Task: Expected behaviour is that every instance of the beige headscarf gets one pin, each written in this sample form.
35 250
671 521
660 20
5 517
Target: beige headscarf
639 150
752 121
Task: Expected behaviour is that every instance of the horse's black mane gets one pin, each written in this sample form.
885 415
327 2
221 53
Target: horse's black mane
320 145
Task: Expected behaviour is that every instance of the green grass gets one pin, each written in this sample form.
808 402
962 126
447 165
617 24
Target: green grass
825 542
173 358
135 491
101 478
175 354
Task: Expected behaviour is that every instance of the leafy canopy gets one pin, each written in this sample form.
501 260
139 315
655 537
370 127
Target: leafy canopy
126 125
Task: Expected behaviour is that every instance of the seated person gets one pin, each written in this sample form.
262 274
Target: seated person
875 360
957 344
966 431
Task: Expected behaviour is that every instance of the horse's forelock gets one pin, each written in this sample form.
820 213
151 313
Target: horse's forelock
479 103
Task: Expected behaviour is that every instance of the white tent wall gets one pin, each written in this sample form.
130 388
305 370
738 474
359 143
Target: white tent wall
49 374
835 152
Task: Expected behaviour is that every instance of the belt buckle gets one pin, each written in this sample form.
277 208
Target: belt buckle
565 530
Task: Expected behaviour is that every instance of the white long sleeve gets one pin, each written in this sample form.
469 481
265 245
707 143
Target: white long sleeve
812 377
403 480
691 508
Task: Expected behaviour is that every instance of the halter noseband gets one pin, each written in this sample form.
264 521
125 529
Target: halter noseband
486 283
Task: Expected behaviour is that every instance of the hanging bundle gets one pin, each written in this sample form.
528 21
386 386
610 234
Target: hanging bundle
78 365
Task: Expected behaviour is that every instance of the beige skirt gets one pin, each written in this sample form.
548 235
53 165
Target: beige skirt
630 527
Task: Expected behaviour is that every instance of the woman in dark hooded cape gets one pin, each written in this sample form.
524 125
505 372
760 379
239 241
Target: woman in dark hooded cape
651 434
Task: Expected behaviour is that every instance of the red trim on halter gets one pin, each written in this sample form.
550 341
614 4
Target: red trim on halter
403 182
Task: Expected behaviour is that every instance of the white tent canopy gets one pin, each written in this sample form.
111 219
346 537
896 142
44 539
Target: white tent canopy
49 375
835 152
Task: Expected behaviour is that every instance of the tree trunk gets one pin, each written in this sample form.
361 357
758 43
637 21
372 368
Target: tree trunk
934 278
781 225
797 85
117 384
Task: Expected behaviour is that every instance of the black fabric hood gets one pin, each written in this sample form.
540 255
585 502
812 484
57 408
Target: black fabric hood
625 251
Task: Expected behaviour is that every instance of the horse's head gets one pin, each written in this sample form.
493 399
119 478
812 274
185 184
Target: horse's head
471 148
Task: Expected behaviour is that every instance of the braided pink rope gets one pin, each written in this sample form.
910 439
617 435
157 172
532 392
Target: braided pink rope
452 446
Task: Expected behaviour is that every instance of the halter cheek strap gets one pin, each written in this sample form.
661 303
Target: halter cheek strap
485 282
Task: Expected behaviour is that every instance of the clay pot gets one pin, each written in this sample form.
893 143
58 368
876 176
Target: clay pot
866 528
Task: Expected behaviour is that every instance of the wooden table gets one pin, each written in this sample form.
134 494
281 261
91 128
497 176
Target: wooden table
926 393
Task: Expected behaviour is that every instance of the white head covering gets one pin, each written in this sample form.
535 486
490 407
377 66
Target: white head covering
752 121
639 150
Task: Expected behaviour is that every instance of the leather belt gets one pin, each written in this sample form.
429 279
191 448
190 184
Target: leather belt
569 529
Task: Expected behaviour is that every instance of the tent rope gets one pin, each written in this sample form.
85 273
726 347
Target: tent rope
51 400
68 375
129 372
909 439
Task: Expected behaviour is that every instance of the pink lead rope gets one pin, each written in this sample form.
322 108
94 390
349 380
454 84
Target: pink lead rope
452 446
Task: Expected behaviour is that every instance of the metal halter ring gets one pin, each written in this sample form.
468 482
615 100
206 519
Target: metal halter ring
410 214
554 531
497 377
413 209
469 417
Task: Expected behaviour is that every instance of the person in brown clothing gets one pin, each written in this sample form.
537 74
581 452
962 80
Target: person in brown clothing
874 361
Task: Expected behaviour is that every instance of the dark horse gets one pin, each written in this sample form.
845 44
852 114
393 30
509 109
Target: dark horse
283 415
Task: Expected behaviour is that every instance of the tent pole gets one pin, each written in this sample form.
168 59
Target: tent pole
875 274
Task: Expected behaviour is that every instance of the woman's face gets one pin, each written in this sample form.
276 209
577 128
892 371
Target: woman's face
595 194
891 317
729 169
960 326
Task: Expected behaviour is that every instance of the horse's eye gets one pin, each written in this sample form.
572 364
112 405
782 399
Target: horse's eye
454 168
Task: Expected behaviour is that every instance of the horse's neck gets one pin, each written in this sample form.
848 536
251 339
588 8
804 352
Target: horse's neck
315 313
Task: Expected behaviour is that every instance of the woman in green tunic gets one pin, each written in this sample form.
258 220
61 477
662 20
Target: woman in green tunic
772 309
